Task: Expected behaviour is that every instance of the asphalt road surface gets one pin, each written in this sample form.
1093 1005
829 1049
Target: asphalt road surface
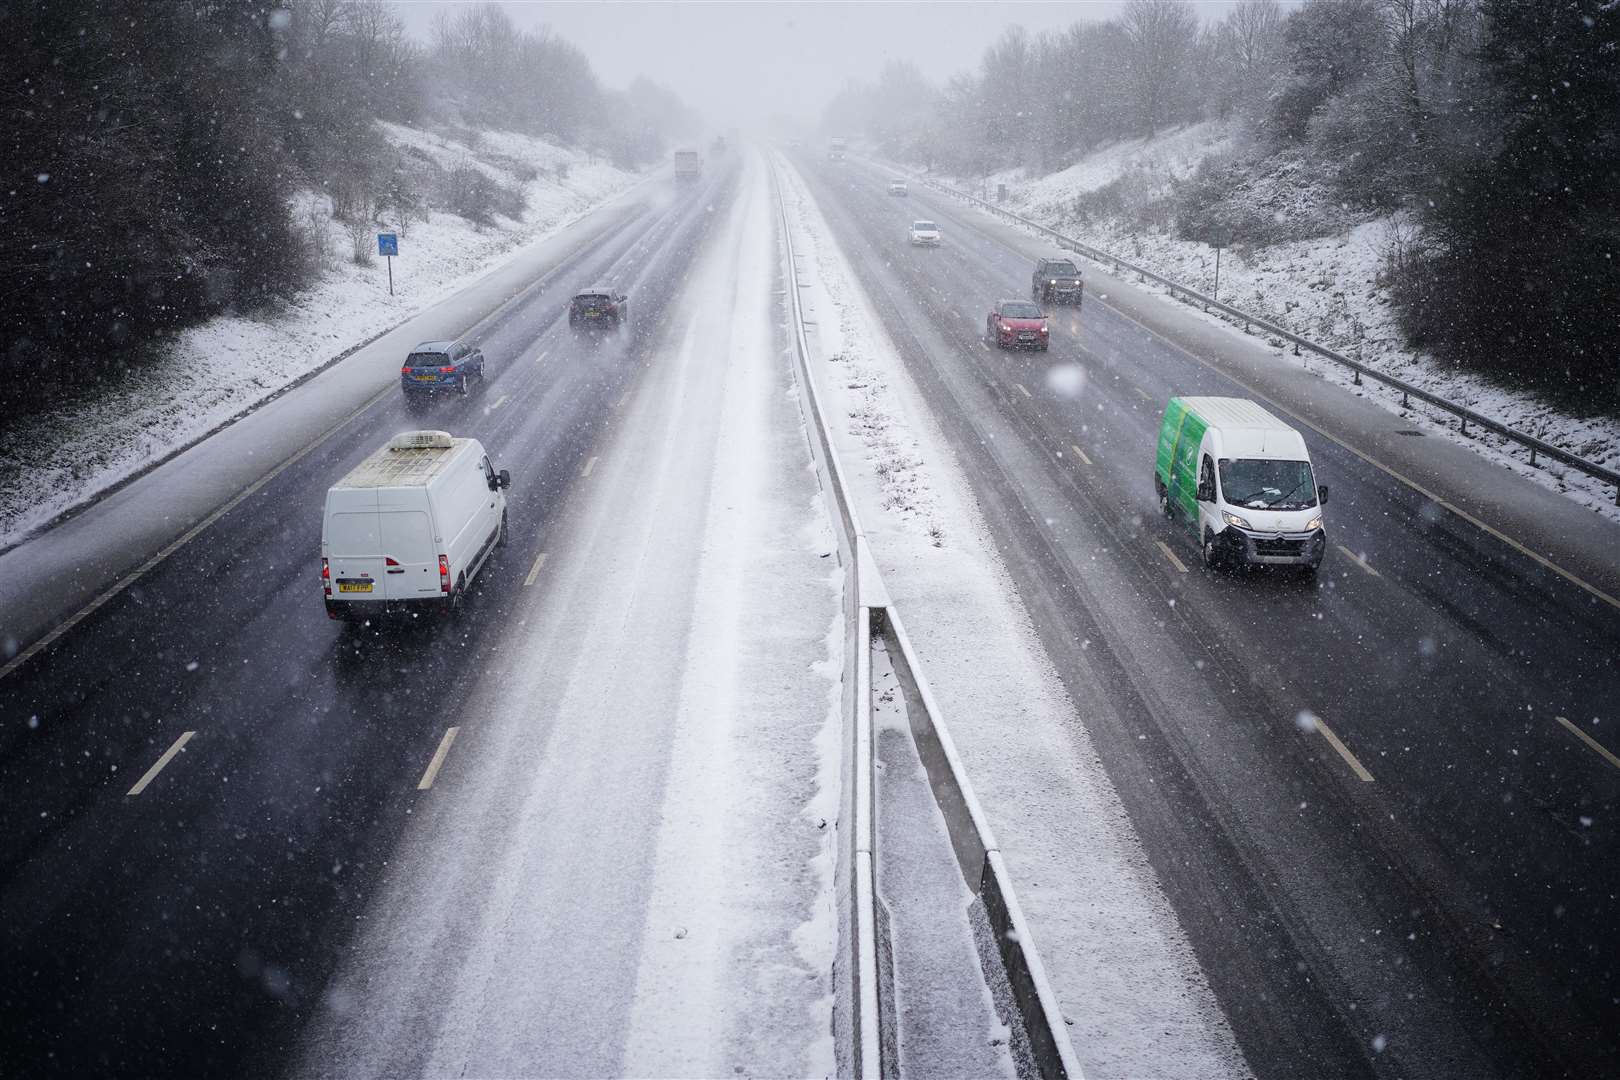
1391 854
205 780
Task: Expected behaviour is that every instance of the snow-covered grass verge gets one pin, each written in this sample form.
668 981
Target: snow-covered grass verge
1124 972
204 376
1329 289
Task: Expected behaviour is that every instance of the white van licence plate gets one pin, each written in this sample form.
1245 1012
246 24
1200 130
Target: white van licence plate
354 586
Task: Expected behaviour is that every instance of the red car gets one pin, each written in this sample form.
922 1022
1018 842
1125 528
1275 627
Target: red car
1017 324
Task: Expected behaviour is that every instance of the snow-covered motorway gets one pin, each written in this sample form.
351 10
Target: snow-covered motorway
1383 804
530 842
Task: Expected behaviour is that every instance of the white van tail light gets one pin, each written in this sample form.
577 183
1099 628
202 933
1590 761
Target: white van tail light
444 574
326 576
393 565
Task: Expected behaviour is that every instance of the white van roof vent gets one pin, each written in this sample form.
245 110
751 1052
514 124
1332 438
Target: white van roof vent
421 440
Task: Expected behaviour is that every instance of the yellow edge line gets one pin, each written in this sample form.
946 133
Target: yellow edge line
502 400
1358 560
1413 484
540 560
1081 452
1164 547
191 534
1589 741
158 765
589 465
438 759
1145 395
1344 751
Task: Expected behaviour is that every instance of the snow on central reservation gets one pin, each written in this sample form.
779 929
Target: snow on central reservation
1327 289
1123 969
205 375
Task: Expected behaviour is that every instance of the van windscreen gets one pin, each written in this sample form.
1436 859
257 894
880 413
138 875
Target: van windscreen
1268 483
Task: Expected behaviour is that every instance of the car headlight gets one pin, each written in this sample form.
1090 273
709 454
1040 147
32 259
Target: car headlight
1233 519
1052 282
1313 524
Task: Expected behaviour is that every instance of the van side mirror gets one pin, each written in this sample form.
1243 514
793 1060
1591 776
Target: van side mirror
1321 495
503 479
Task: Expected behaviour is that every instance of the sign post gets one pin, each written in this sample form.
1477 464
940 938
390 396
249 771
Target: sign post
388 247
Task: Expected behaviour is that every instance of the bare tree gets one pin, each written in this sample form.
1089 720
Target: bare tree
1161 34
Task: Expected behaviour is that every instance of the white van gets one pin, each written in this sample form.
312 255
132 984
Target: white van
410 526
1241 479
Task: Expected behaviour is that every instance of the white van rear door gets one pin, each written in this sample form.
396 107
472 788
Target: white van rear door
354 551
411 565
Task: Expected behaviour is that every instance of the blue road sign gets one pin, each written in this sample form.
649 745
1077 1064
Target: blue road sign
387 243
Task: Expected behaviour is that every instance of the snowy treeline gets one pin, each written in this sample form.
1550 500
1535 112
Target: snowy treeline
1491 127
155 152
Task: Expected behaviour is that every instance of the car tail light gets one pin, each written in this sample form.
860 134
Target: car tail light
444 574
447 371
405 370
326 577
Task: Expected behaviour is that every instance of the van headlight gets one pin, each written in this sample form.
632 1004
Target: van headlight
1313 524
1233 519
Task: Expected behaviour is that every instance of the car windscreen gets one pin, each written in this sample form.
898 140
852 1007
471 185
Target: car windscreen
924 226
1062 269
1020 311
1267 483
426 359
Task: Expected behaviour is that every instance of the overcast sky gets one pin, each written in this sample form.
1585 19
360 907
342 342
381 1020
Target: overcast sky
739 63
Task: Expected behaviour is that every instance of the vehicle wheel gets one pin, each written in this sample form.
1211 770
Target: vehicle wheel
461 385
1164 497
1211 553
500 537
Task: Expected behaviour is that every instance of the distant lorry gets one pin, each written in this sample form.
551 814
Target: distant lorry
837 147
407 530
1241 480
688 165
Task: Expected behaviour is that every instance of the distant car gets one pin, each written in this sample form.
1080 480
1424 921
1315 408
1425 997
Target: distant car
1057 281
440 367
1017 324
924 234
898 187
599 308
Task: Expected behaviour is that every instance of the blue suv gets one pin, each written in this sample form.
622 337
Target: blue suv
440 367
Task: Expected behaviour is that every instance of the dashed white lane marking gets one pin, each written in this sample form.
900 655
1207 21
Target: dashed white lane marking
1024 388
1599 748
589 465
1081 453
1344 751
1145 395
1177 563
1358 560
539 561
438 759
502 400
158 765
541 355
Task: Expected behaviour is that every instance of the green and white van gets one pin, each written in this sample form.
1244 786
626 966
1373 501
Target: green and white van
1242 481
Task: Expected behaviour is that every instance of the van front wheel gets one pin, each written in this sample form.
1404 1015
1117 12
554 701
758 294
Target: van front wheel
1211 552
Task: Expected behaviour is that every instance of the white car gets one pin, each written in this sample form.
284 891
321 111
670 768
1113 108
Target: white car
898 187
924 234
410 526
